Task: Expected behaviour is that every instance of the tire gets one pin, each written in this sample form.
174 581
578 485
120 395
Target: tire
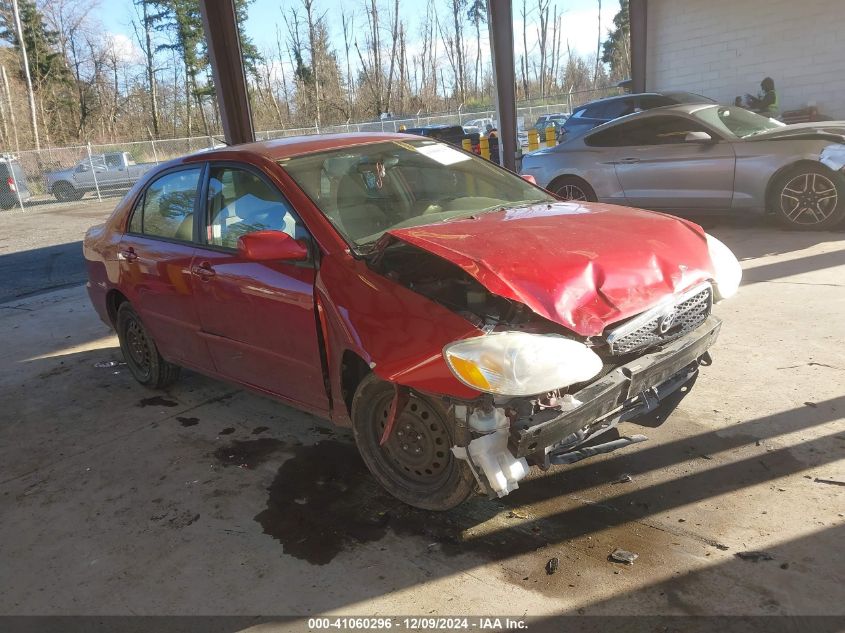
65 192
573 188
808 198
417 467
140 351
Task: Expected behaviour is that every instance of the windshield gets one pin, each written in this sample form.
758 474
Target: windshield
737 121
366 190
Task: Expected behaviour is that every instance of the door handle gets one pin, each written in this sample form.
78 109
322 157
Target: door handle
629 161
204 271
128 254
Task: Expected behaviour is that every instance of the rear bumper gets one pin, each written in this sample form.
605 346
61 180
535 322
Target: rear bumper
626 392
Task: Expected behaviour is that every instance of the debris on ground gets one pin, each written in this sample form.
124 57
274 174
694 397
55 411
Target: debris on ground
623 479
755 556
623 556
106 364
811 404
552 565
832 482
516 514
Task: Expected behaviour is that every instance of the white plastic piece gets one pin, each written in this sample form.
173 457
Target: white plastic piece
487 422
490 454
569 403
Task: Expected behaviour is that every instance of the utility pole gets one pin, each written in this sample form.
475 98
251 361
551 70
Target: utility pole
22 44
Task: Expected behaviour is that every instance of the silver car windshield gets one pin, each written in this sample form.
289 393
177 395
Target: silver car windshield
737 121
366 190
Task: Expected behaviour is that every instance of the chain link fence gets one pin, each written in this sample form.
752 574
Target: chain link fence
66 175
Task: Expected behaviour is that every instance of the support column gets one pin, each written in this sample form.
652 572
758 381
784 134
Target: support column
638 14
224 53
500 23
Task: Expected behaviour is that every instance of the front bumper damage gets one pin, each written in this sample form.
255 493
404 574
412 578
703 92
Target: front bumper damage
555 435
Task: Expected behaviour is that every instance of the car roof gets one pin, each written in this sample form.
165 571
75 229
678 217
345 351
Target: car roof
278 149
668 93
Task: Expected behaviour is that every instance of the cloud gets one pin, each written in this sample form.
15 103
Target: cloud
124 48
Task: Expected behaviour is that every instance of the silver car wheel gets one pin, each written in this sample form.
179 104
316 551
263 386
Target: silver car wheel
808 198
572 192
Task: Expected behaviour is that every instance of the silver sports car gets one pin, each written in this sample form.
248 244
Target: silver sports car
704 158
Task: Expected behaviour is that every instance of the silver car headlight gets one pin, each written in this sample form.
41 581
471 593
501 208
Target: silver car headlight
519 363
728 272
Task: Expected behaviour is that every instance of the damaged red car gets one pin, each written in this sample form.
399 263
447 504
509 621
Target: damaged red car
465 323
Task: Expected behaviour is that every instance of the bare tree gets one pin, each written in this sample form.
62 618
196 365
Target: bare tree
30 94
598 49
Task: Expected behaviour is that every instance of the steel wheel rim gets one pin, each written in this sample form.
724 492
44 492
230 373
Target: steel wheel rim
572 192
418 451
809 198
138 346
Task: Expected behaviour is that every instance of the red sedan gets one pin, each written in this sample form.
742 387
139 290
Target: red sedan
463 321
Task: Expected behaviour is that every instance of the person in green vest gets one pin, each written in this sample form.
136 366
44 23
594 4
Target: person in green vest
765 103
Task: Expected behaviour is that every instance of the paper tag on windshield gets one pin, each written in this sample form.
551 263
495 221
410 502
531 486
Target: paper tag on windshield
443 154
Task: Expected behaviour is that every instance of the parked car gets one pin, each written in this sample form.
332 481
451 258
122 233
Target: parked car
113 170
704 158
595 113
451 134
555 120
462 321
13 186
479 125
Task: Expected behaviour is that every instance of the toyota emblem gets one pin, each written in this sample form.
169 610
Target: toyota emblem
666 322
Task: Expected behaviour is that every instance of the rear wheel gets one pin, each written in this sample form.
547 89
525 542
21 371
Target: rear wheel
416 464
140 351
573 188
809 198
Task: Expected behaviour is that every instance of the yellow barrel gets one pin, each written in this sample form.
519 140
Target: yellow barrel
485 147
551 137
467 145
533 139
402 128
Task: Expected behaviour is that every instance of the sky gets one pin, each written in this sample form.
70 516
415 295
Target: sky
580 22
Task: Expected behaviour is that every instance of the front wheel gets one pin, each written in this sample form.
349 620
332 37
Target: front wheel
65 192
809 198
140 351
572 188
416 464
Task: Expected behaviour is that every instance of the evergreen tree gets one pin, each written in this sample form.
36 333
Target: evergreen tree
616 49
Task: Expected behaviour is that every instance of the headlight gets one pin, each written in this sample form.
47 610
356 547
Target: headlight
727 270
519 363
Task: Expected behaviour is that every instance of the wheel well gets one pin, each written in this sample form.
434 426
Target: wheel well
353 370
62 183
113 300
780 172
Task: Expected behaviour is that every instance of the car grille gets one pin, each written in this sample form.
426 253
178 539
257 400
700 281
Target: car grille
662 324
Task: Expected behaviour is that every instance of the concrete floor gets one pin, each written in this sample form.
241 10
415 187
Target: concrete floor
207 499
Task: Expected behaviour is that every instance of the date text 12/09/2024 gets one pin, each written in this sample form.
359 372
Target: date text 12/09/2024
418 623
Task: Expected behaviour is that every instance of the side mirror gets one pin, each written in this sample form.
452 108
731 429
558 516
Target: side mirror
265 246
698 137
83 167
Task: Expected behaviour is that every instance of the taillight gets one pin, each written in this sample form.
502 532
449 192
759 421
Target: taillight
11 182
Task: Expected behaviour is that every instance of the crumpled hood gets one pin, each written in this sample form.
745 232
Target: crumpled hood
584 266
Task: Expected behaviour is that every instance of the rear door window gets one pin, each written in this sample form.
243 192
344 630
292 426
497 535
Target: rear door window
167 207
